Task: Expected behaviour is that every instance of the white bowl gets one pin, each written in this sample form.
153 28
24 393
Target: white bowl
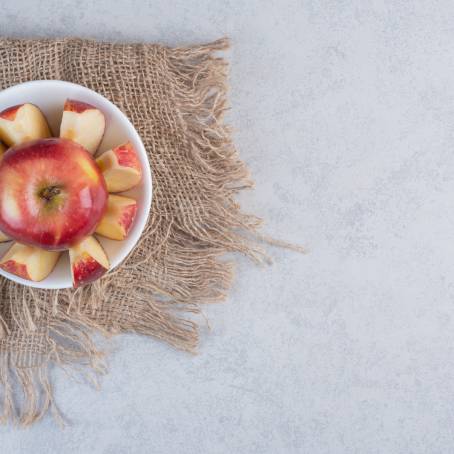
50 96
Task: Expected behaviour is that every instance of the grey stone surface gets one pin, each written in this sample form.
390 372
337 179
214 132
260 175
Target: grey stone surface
344 111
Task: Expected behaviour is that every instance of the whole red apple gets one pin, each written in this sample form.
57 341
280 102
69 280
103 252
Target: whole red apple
52 193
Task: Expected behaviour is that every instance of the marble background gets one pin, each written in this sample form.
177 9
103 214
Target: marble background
344 111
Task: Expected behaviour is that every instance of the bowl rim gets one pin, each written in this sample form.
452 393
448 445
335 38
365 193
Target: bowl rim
146 176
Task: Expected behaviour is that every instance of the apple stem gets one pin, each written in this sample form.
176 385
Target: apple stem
50 192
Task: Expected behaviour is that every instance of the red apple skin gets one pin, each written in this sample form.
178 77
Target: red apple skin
127 217
19 269
56 225
77 106
10 112
127 156
87 270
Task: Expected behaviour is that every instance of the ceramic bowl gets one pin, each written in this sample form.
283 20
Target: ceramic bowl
50 96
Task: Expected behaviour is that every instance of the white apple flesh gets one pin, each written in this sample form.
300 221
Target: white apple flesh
21 123
119 217
82 123
29 262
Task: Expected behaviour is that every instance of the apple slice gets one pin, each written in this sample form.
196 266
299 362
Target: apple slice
120 167
82 123
88 261
21 123
118 219
29 262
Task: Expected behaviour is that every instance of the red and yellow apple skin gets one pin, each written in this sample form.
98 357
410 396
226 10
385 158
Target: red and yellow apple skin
88 261
52 193
19 269
10 113
120 167
127 156
86 270
72 105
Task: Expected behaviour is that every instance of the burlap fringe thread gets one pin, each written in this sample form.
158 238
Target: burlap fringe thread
58 325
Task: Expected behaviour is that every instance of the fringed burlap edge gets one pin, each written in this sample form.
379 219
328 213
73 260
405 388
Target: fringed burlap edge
66 319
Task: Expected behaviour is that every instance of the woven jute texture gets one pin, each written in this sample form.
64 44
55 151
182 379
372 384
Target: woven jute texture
176 99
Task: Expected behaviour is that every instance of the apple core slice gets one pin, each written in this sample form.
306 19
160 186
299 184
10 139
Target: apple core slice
82 123
21 123
120 167
29 262
52 193
119 217
88 261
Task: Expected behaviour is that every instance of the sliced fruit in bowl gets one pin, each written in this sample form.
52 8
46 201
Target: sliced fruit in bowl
54 195
120 167
82 123
88 261
21 123
29 262
119 217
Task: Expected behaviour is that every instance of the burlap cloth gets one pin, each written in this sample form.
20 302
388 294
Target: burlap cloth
176 99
